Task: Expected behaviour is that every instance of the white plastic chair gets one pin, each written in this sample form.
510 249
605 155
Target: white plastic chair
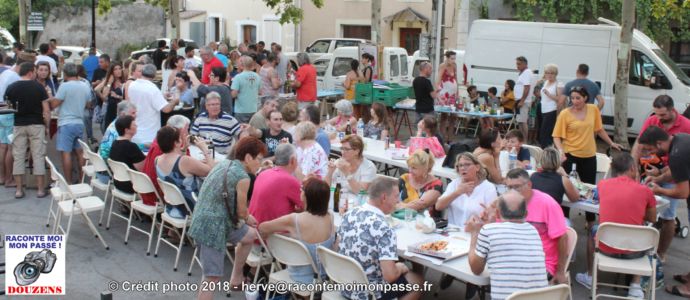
535 155
290 252
173 196
99 166
572 242
258 261
142 185
554 292
71 205
120 173
87 169
195 257
79 190
341 269
603 166
632 238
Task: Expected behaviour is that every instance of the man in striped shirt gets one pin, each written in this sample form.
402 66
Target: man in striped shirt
217 125
512 249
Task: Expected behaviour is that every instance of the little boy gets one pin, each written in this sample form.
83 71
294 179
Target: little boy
491 98
514 140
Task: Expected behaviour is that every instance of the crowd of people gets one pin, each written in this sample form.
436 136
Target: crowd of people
270 146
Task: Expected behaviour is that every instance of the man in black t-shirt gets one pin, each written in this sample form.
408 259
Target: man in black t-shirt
159 55
100 73
424 92
125 151
274 135
31 121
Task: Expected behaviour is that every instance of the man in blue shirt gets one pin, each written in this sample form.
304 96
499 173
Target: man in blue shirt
90 63
222 54
245 87
72 97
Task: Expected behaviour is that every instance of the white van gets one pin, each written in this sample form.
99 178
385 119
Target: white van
331 68
493 46
6 41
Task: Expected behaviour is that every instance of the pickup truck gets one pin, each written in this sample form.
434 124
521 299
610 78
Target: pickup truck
324 46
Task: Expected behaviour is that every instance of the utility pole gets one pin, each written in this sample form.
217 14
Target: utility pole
24 10
436 36
175 18
93 23
620 117
376 33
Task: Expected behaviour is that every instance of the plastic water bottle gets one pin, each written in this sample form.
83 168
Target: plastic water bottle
360 128
574 178
362 197
512 159
331 199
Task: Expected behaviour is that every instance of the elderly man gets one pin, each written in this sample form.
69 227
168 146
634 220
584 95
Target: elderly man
514 266
305 81
622 200
546 216
31 123
667 118
217 125
311 113
365 227
259 119
245 88
210 61
176 121
217 85
149 100
267 205
124 108
72 97
274 135
523 88
424 92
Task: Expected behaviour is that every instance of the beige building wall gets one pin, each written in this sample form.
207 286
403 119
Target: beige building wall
328 21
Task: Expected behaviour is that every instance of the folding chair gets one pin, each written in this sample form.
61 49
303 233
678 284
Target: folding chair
290 252
79 190
195 257
554 292
87 169
572 242
173 196
99 166
341 269
120 173
632 238
258 261
142 185
72 205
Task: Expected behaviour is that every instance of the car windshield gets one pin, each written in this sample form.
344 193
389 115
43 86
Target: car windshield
672 65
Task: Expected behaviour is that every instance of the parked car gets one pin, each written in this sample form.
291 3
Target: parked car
75 54
148 50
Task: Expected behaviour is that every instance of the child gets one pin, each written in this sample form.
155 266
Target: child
491 100
514 140
507 97
473 94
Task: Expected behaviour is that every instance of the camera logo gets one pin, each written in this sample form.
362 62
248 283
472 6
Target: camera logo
35 263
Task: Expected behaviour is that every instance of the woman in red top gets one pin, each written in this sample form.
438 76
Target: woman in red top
304 82
448 94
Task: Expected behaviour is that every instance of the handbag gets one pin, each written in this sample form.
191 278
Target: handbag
232 212
430 143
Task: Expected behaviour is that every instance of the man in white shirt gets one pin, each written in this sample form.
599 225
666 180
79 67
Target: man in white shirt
58 52
523 86
149 100
43 49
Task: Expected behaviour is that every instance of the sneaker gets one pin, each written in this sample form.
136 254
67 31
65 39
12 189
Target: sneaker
635 291
584 279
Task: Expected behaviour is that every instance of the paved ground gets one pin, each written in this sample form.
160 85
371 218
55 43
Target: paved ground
90 268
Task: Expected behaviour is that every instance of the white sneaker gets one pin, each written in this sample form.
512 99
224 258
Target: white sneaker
585 279
635 291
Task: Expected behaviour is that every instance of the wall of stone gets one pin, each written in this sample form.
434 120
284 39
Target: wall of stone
136 23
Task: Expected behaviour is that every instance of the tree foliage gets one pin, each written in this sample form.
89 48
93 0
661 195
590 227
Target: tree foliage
656 18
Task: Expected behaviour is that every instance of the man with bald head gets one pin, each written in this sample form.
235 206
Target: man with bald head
514 265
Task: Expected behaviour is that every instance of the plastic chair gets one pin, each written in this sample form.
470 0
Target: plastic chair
572 242
195 257
535 155
632 238
100 166
142 185
79 190
87 169
72 205
258 261
120 173
173 196
290 252
603 166
341 269
554 292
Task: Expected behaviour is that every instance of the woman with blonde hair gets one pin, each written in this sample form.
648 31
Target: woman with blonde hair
311 158
550 93
553 180
290 112
419 189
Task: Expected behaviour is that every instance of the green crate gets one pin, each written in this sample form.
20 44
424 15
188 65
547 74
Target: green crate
391 96
364 93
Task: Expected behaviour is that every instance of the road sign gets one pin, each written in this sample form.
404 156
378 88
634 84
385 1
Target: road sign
35 22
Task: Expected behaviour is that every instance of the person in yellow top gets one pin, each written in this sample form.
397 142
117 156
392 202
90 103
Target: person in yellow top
508 97
351 79
574 134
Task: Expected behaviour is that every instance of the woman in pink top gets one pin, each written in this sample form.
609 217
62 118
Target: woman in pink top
270 82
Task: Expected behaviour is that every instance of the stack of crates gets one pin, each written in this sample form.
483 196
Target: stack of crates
364 93
394 94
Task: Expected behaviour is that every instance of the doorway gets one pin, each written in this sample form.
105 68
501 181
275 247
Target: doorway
409 39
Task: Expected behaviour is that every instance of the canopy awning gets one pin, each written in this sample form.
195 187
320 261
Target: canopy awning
406 15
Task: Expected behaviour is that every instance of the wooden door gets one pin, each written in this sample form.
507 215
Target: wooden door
409 39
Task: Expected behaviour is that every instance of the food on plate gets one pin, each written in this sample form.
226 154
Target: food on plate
434 246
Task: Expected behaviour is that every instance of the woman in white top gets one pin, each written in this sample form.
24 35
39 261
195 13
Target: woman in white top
550 93
469 194
352 171
311 158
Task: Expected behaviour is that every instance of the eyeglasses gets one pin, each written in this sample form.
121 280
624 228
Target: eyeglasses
578 88
462 166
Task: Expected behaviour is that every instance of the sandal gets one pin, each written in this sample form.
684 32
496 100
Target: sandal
675 291
18 195
680 278
41 195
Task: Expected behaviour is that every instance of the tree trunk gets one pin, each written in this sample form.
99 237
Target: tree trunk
175 18
376 33
24 12
620 118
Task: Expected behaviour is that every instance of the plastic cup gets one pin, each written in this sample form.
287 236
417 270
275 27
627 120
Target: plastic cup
397 145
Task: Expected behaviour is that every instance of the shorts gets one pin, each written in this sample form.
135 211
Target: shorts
396 294
523 115
6 128
243 118
669 214
213 260
67 137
